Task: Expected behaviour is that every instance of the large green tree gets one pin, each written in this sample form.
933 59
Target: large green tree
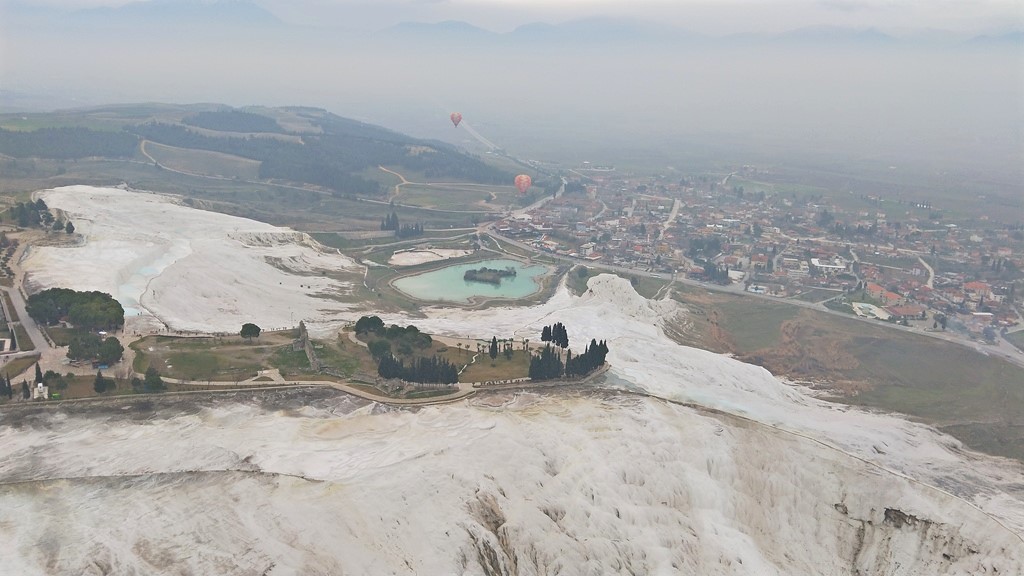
152 381
249 331
87 310
101 384
110 351
369 324
91 347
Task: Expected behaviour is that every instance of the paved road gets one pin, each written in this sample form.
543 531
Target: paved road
39 342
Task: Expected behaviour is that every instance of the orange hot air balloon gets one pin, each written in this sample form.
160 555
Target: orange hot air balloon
523 182
456 118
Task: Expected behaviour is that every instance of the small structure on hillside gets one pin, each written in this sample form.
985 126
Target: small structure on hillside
41 391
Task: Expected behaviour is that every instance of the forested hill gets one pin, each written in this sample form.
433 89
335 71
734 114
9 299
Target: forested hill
334 157
300 145
233 121
66 143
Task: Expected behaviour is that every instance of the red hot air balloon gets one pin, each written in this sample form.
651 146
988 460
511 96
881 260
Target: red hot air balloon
523 182
456 118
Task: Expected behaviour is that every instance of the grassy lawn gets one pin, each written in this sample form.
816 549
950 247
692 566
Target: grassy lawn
60 336
223 359
577 282
429 393
1017 339
645 286
752 323
500 368
648 287
9 305
844 307
15 367
818 294
25 343
939 380
344 356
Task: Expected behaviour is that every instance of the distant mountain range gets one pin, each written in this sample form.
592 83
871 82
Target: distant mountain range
240 15
225 13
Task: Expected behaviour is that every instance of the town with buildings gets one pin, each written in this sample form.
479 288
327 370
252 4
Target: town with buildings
893 260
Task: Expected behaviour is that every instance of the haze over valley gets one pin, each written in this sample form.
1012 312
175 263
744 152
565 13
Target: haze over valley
832 91
511 287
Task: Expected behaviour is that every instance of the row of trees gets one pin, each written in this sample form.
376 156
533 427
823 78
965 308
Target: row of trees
716 273
592 358
7 389
504 346
555 334
425 370
390 222
87 310
548 364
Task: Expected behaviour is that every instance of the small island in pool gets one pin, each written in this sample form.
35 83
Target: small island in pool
488 275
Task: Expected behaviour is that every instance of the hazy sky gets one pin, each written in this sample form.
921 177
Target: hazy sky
706 16
948 106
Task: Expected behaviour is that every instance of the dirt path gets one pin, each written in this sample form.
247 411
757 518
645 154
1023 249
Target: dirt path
398 187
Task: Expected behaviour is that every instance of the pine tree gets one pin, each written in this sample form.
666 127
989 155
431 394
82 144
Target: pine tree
100 383
545 334
493 352
39 373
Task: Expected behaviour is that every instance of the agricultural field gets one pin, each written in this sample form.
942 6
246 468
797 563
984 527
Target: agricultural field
459 197
204 162
28 122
